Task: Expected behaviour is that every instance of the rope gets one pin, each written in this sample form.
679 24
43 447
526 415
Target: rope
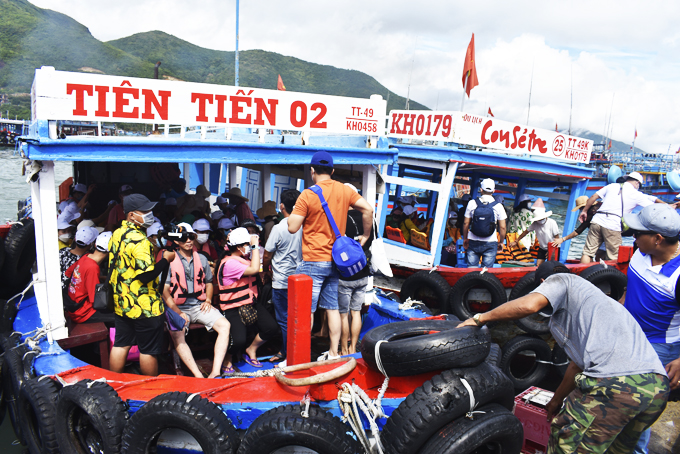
409 304
23 293
305 402
473 403
551 363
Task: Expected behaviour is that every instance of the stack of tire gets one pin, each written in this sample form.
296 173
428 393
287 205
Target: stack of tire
532 348
435 291
437 417
17 256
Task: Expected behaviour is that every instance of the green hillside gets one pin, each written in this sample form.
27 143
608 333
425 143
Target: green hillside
257 68
31 37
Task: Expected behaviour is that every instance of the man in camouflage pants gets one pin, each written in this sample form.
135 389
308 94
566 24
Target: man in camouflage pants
615 386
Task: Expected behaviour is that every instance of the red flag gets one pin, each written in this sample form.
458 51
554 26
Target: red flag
636 133
490 113
678 151
279 84
556 128
610 144
469 69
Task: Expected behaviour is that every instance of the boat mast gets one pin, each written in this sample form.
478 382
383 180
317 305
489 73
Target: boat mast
530 86
571 101
408 90
236 53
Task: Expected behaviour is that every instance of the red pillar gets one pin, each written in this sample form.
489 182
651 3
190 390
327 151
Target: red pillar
299 319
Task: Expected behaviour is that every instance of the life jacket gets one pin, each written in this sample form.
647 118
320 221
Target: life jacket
519 253
419 239
534 250
394 234
204 249
240 292
504 255
178 283
453 232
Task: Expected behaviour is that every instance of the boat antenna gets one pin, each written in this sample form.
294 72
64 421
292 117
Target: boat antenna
408 91
236 52
530 86
610 125
437 105
571 101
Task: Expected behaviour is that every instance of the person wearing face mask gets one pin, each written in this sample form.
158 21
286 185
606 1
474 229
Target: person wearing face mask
82 245
202 244
139 310
65 231
546 230
152 235
618 199
237 290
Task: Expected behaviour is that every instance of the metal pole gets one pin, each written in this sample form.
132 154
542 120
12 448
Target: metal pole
236 53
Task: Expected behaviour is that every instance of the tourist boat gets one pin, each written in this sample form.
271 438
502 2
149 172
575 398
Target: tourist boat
465 150
59 403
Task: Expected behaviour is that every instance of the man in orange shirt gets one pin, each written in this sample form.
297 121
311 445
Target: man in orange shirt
318 238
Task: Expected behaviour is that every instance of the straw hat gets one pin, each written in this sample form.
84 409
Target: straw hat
538 204
580 202
540 214
268 209
235 196
202 191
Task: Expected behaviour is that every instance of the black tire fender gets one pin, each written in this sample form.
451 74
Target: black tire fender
284 426
560 360
538 371
458 301
606 279
9 314
538 323
12 380
495 355
496 430
199 417
432 282
2 252
20 254
419 346
37 400
441 400
90 418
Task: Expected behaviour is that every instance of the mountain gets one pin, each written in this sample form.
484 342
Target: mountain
597 139
31 37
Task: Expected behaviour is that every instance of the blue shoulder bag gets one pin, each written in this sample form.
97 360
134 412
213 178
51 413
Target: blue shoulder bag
347 253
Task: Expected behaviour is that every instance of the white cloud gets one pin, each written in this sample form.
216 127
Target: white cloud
625 47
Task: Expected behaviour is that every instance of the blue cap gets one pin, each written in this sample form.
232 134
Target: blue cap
657 218
321 158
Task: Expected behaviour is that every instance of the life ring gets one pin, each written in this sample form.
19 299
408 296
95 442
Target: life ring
284 426
37 401
350 364
440 400
90 418
609 279
460 302
494 429
429 287
524 376
19 256
673 179
199 417
418 346
536 323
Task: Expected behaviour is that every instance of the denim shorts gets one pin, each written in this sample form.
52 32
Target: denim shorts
325 279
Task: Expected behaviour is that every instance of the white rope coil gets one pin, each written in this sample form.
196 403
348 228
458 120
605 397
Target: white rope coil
473 404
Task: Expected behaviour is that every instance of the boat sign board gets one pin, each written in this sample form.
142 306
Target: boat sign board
489 133
59 95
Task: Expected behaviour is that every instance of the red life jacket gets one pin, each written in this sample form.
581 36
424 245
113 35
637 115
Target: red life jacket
178 282
206 250
239 293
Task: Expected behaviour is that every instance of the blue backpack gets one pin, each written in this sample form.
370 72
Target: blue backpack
483 219
347 253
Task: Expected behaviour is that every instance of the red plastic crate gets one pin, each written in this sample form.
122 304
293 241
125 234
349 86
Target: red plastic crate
4 230
533 418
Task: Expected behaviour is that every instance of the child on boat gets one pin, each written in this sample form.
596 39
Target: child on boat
546 230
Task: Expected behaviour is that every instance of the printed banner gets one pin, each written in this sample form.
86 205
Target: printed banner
488 132
59 95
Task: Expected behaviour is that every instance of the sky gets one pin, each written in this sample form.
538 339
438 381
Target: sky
620 57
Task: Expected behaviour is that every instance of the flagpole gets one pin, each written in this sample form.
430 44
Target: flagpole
530 86
467 84
236 53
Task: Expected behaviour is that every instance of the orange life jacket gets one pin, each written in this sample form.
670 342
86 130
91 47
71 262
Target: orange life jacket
394 234
534 249
239 293
178 282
